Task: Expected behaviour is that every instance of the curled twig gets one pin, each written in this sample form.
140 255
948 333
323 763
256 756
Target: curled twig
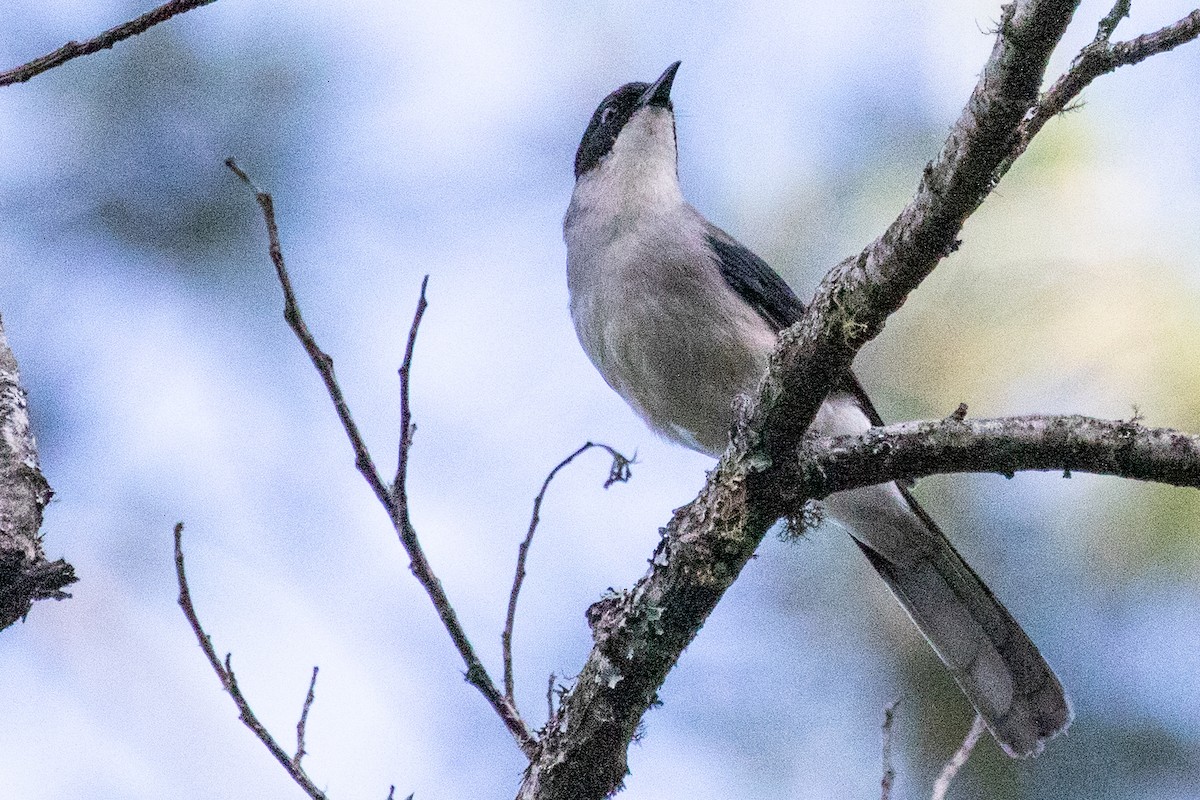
618 473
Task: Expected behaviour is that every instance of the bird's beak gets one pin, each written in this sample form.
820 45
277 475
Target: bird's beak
659 92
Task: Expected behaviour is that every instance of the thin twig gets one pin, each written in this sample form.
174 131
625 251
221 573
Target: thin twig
407 427
229 681
618 472
300 726
951 768
1100 57
320 359
394 499
550 696
889 772
104 41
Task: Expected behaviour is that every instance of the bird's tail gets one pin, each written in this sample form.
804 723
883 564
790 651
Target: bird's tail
990 656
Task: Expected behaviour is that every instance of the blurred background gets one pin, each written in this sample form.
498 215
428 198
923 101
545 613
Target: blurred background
401 139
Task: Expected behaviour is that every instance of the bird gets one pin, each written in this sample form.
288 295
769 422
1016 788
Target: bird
679 318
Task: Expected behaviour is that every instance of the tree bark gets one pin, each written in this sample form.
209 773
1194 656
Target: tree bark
25 574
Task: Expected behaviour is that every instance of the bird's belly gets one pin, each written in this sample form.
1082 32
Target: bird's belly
675 350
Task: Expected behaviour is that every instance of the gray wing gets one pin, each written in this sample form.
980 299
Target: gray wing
754 281
991 657
768 294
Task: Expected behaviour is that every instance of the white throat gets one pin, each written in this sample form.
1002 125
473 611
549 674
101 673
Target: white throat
638 174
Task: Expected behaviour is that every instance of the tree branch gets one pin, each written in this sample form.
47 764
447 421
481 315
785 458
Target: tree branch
25 574
229 683
395 498
858 295
1068 443
640 635
1098 58
302 725
889 772
618 472
104 41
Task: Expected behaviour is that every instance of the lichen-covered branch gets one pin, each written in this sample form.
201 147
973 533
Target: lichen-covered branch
104 41
1066 443
858 295
640 634
1100 57
25 574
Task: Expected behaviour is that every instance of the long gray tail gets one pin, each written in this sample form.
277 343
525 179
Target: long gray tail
990 656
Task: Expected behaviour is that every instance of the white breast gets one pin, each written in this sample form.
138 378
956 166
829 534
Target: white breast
649 304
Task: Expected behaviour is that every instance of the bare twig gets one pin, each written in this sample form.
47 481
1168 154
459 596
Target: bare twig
618 472
951 768
407 427
229 682
1096 59
104 41
320 359
303 723
394 499
889 772
1112 19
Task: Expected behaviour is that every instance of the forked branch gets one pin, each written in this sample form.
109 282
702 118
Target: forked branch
395 498
640 635
1098 58
229 682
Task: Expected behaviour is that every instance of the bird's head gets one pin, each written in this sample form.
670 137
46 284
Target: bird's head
633 129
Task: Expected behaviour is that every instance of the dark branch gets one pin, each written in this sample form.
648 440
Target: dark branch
229 683
407 428
889 772
1005 446
1098 58
395 498
320 359
104 41
618 472
303 723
